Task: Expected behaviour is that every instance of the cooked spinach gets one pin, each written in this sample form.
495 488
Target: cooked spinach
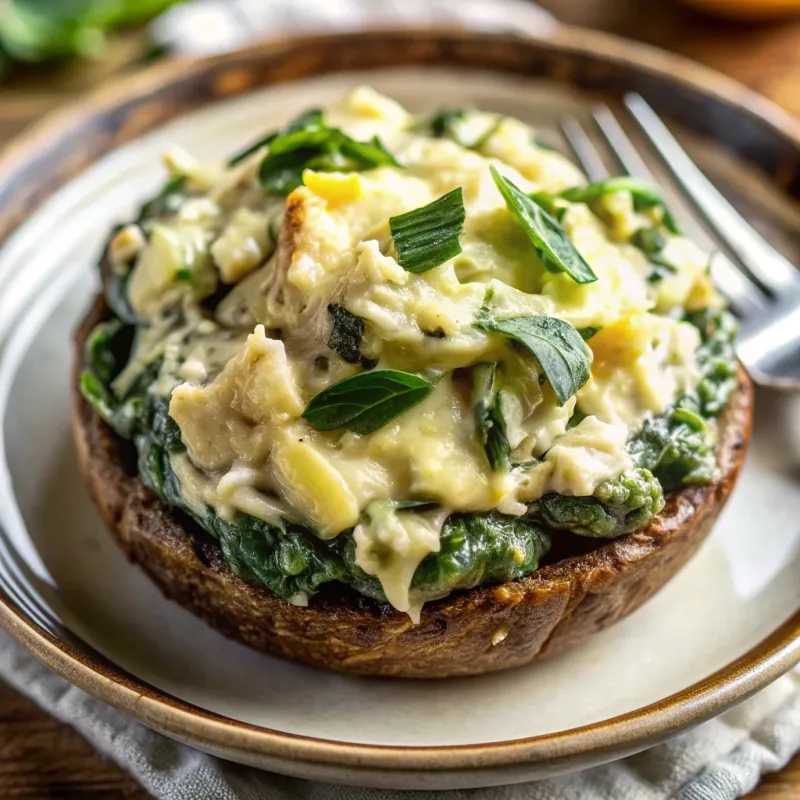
367 401
677 451
347 330
716 359
589 331
168 201
476 549
490 422
651 241
678 447
544 231
617 507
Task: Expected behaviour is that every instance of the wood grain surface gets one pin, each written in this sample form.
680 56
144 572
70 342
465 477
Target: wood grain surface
42 758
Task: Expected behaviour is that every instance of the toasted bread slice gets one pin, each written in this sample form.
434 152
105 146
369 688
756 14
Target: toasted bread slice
467 633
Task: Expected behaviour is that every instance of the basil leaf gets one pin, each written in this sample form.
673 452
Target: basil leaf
558 347
428 236
489 419
367 401
645 195
545 233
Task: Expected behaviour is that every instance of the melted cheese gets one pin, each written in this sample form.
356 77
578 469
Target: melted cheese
579 461
391 544
239 383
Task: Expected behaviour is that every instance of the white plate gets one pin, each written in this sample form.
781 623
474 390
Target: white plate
62 570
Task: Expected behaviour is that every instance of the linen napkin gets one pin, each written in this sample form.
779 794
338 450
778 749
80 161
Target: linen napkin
720 760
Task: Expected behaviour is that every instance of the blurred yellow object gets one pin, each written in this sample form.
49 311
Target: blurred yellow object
334 187
747 9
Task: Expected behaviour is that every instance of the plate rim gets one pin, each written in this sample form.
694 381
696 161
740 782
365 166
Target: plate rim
553 752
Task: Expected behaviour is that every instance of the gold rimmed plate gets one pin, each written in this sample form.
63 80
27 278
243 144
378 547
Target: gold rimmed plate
723 628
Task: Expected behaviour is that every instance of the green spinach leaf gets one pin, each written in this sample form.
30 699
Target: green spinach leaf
347 331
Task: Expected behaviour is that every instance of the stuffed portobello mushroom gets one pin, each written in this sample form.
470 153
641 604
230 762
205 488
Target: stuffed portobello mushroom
406 395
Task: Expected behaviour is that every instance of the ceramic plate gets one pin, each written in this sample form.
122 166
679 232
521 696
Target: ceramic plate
726 625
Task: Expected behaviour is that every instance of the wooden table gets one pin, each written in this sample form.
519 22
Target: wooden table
42 758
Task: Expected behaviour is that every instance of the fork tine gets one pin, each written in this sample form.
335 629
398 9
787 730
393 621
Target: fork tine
746 298
621 146
774 272
585 152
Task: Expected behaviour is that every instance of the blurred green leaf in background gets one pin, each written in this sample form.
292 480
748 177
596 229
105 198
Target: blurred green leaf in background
34 31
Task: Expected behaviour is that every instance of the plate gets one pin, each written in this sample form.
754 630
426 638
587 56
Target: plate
723 628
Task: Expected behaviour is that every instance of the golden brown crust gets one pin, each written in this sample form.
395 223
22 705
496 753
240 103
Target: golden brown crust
485 629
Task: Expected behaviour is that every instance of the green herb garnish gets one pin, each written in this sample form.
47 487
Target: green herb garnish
645 195
545 233
367 401
308 143
308 120
428 236
557 346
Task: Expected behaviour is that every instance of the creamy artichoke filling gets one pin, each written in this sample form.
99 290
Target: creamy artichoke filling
312 292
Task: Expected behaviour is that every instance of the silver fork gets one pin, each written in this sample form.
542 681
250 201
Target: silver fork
762 285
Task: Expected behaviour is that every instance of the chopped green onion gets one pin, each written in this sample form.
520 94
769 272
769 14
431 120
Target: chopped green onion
428 236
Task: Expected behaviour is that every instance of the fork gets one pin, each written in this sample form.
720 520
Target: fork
763 286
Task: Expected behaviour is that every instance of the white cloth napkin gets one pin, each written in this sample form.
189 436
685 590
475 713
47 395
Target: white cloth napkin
720 760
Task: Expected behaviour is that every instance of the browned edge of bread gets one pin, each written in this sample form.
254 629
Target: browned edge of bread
467 633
